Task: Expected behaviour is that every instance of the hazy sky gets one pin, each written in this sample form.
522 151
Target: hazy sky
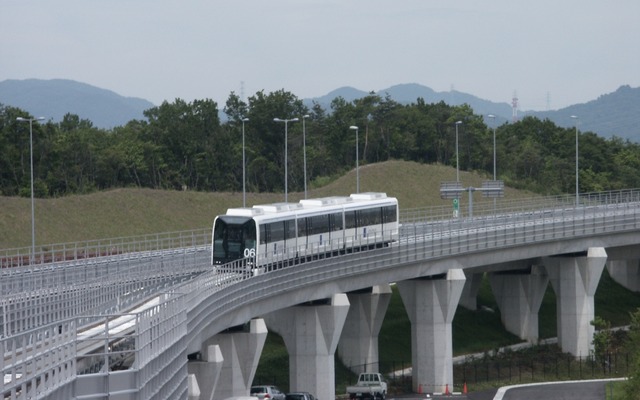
550 52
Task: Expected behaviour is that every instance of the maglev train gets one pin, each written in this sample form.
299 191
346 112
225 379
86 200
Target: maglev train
273 234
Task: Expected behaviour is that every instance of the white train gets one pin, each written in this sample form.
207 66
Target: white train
273 234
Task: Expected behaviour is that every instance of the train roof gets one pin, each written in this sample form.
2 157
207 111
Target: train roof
326 201
322 203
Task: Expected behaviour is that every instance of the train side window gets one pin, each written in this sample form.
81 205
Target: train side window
389 214
319 224
350 219
302 227
335 222
277 231
290 229
264 234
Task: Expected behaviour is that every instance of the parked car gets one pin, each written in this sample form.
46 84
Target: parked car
300 396
267 392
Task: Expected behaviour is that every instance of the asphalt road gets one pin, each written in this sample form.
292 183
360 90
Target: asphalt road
560 391
555 391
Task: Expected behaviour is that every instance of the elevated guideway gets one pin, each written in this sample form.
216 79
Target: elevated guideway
188 302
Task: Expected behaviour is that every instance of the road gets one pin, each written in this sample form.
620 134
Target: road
553 391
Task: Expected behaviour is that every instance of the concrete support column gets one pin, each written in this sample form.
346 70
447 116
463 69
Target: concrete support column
358 346
626 273
240 351
204 374
519 295
575 280
431 305
469 297
311 333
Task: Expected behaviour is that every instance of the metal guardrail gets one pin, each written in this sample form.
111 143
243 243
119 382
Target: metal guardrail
160 331
79 251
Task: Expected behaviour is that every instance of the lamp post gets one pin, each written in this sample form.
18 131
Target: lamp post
304 151
33 206
357 160
493 118
457 159
577 179
244 176
286 172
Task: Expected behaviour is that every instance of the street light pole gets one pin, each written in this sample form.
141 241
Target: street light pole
244 176
286 172
493 118
33 206
304 151
357 160
577 176
457 158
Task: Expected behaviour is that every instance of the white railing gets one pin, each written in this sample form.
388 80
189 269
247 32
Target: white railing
66 252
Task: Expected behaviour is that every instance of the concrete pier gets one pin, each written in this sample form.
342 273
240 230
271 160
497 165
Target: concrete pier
625 273
240 351
469 297
311 332
358 346
575 279
204 373
519 294
431 304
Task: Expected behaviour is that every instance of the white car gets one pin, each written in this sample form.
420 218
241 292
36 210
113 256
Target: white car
267 392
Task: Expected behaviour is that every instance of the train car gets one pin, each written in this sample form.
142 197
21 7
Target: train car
274 234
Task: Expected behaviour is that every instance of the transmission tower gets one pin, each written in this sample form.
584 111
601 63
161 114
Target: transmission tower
514 107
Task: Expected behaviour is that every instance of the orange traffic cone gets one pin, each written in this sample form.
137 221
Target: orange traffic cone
446 390
464 388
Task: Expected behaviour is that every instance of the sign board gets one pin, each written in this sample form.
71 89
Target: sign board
450 190
492 189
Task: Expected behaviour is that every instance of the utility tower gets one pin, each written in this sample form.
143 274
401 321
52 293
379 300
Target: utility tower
514 107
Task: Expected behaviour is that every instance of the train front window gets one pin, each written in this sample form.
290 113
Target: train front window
231 236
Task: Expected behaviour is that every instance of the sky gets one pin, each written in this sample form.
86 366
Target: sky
548 53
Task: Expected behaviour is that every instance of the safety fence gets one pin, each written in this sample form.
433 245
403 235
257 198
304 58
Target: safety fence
34 297
137 355
48 254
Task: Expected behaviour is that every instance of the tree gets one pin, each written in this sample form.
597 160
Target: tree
632 385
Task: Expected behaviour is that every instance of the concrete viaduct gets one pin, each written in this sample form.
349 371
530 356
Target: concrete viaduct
338 304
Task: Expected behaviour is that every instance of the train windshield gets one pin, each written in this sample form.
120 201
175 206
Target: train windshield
231 237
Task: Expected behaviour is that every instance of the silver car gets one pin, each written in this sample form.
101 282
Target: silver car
300 396
267 392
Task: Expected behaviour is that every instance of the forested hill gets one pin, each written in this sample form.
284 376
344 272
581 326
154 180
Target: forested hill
612 114
185 145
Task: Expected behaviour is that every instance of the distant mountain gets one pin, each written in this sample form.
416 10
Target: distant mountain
410 92
54 98
616 113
